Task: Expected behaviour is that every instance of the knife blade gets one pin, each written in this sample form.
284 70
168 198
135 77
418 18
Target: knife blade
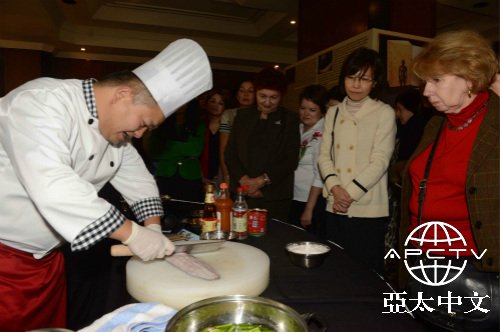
191 247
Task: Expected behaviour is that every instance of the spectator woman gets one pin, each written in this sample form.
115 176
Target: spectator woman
453 178
175 149
263 148
357 145
308 206
214 108
245 97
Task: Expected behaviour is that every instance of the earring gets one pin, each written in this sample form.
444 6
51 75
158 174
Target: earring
469 93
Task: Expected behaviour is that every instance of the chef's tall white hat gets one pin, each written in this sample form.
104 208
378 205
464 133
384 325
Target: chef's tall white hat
176 75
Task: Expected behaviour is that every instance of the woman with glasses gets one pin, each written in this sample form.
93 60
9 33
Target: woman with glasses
263 147
358 141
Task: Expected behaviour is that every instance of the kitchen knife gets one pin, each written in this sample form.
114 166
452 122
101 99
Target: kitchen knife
191 247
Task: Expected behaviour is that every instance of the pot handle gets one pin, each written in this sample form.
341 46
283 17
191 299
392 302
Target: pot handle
316 321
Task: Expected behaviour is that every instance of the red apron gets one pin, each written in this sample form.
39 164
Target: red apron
32 291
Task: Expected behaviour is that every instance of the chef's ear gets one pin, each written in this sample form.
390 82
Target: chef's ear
122 92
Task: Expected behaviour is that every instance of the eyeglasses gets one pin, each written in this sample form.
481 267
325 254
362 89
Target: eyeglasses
363 79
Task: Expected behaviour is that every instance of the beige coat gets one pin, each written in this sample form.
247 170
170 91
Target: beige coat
358 161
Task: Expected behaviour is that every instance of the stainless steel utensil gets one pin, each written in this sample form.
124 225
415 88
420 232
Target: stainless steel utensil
191 247
237 309
301 253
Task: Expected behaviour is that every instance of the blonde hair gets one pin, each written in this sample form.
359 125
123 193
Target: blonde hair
463 53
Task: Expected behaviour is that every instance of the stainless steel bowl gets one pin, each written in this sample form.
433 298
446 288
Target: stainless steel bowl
307 254
236 309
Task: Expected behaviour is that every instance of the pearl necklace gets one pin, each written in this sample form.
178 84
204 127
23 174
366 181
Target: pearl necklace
469 121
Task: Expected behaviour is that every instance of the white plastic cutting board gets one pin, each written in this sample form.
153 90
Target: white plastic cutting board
243 269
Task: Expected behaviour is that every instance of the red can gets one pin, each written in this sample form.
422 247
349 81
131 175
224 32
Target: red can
257 222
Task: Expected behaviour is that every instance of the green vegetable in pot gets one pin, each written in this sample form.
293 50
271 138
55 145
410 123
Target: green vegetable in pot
238 328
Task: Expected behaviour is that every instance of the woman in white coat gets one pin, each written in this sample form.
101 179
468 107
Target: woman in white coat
61 141
357 146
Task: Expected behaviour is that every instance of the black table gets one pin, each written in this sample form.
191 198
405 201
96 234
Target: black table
347 295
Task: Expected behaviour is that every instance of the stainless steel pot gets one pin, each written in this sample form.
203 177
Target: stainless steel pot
237 309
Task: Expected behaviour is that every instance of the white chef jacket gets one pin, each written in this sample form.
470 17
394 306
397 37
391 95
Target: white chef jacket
307 173
54 160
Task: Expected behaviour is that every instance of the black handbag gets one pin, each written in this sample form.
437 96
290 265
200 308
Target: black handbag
475 312
479 305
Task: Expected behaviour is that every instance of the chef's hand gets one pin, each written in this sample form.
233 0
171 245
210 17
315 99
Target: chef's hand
148 244
154 227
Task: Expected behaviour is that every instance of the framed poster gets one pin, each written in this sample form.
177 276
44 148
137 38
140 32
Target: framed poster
398 53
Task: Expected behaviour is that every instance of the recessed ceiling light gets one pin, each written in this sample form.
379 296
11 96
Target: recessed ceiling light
292 22
276 66
83 49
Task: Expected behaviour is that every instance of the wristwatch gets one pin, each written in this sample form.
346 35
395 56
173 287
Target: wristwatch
267 180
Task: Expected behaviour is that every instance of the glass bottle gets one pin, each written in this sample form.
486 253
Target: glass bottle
224 204
239 216
208 219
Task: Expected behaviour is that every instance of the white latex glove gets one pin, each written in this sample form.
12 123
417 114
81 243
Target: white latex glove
148 244
155 227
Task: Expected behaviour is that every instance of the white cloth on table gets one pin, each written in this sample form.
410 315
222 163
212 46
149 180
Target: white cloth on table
136 317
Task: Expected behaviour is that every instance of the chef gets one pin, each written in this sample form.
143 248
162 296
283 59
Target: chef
61 141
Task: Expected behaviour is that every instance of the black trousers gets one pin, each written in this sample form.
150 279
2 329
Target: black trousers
317 226
361 238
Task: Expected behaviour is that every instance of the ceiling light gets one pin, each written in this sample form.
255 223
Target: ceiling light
292 22
83 49
276 66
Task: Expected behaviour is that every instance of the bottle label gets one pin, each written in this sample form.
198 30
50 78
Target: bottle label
240 223
219 221
208 225
209 198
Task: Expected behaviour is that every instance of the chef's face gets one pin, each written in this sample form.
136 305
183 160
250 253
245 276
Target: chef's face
124 120
447 93
309 113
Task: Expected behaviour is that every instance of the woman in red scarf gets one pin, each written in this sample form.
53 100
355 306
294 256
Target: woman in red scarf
453 178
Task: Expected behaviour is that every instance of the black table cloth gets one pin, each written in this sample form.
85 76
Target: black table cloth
347 295
344 293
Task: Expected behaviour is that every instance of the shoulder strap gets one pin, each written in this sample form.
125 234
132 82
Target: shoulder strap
423 182
333 134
